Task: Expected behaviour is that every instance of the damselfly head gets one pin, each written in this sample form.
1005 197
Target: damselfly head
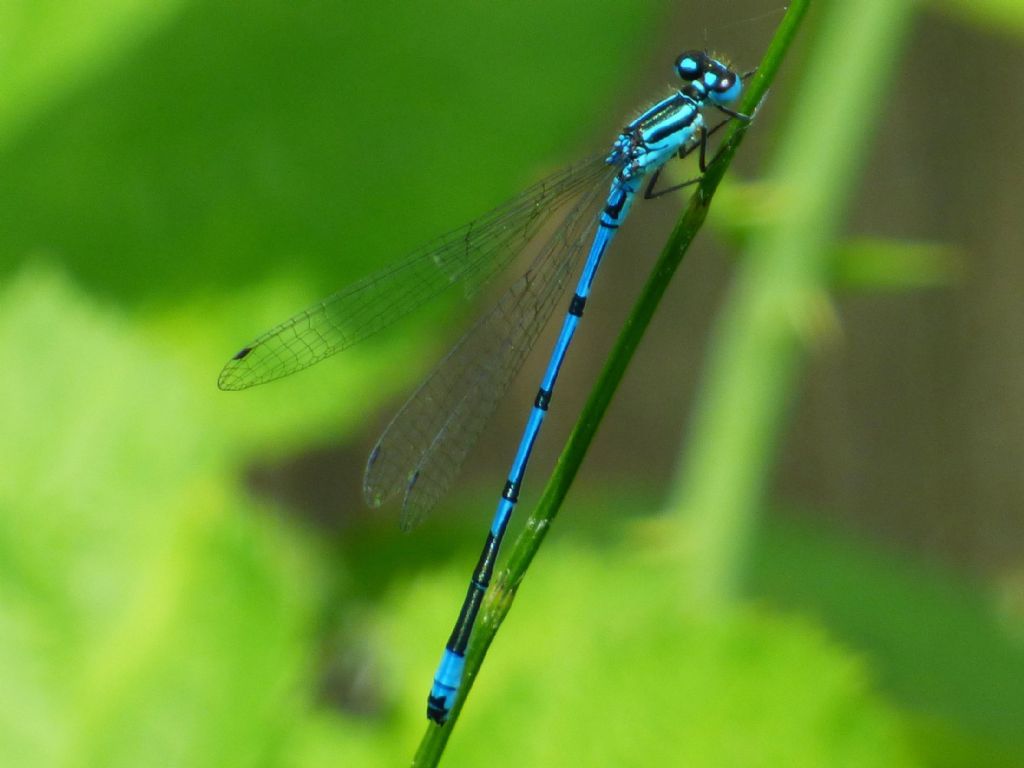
708 77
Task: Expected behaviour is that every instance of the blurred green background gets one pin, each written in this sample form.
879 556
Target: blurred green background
189 578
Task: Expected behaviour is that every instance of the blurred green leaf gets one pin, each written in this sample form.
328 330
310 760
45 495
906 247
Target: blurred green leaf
876 264
943 744
147 619
743 208
604 667
1003 16
50 47
937 646
235 142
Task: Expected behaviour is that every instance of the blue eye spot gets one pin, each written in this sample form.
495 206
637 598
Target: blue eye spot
687 67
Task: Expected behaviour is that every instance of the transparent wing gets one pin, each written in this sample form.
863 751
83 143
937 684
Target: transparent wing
425 445
472 254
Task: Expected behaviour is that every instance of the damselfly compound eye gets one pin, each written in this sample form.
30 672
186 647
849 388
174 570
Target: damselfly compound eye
690 65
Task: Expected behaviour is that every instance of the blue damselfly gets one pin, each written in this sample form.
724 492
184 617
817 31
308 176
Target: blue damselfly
426 443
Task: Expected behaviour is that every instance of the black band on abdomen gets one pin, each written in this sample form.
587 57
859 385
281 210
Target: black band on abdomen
577 304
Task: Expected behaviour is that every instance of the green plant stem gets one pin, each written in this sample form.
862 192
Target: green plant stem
779 301
502 593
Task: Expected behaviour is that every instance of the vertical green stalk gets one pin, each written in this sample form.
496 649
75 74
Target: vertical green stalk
502 593
780 298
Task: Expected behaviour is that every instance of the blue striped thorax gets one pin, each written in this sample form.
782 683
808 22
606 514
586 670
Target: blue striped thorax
666 127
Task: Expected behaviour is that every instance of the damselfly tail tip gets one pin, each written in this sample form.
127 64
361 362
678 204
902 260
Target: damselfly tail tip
437 710
446 685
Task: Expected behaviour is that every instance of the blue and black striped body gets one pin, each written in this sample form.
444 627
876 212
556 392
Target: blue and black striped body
644 146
